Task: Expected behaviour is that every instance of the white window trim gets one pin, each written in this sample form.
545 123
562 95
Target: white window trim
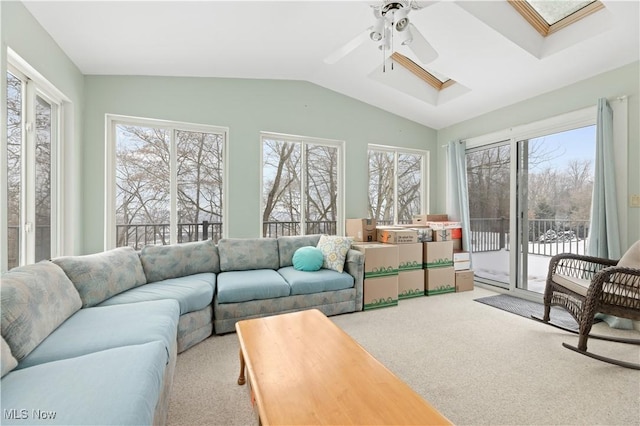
424 178
61 106
340 201
111 121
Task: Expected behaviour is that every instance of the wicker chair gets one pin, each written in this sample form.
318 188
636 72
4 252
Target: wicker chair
585 285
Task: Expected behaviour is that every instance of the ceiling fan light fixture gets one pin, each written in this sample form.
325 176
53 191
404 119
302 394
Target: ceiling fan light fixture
376 32
402 24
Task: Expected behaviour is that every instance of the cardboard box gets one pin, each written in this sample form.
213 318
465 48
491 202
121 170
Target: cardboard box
456 233
409 256
439 281
397 236
437 254
443 225
461 260
379 259
457 243
464 281
461 256
425 234
442 235
422 218
461 266
361 230
410 284
380 292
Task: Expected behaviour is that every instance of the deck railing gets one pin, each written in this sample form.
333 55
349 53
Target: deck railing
546 237
143 234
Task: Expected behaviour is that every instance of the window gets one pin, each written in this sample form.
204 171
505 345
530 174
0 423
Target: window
397 184
548 17
33 135
302 185
165 182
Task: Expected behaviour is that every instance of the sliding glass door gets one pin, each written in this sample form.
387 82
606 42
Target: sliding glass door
489 180
529 199
555 182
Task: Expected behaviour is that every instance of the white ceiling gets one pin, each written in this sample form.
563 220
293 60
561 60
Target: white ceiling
494 55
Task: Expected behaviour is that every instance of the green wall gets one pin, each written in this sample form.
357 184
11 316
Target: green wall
246 107
583 94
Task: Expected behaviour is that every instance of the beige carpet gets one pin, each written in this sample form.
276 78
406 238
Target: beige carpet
476 364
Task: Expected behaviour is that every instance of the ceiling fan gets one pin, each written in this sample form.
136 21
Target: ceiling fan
392 26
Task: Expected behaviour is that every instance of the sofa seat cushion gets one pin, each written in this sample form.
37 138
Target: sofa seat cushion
34 301
100 328
117 386
102 275
178 260
242 286
305 282
193 292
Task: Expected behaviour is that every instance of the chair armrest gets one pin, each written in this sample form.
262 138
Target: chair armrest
354 266
578 266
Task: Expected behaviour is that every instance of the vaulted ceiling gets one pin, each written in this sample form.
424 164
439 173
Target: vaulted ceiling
495 57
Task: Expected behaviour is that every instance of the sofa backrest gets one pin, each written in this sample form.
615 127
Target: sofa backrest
178 260
239 254
35 300
102 275
288 245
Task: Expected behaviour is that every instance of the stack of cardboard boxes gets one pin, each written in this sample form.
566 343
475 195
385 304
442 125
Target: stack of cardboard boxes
423 258
380 265
410 275
445 230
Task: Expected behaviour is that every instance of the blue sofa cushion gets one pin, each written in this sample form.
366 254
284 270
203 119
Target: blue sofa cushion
117 386
177 260
288 245
193 292
240 254
102 275
35 299
100 328
304 282
242 286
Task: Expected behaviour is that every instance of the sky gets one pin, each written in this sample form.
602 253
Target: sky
578 144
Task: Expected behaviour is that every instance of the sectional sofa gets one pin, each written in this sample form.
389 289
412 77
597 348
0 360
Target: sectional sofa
94 339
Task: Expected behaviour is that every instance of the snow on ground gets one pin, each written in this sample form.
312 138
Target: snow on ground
494 265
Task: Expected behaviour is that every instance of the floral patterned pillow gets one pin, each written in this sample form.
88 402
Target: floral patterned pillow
334 249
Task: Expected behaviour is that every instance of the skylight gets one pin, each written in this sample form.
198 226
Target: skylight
437 81
554 11
548 17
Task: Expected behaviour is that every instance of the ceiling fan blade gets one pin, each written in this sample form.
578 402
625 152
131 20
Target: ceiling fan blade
348 47
421 47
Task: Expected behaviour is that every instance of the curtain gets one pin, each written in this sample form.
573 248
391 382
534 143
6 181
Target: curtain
604 234
604 237
458 200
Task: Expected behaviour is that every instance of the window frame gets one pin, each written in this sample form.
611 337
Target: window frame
304 140
35 85
113 120
424 178
531 15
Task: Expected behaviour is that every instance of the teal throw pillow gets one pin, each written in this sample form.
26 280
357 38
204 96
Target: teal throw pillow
308 258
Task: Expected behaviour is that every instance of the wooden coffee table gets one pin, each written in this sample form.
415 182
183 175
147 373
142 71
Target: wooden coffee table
303 369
